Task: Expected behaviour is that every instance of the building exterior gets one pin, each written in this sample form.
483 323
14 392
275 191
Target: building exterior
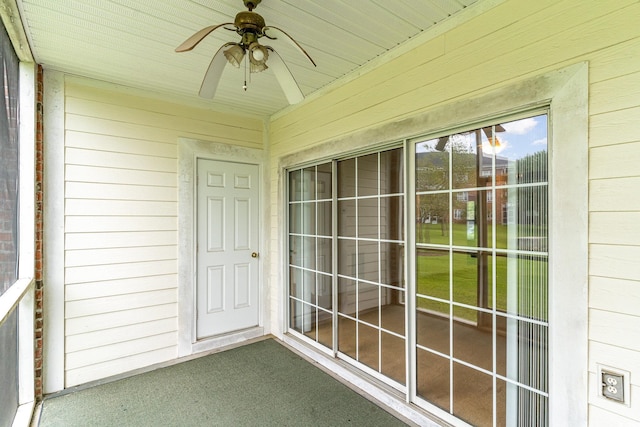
121 214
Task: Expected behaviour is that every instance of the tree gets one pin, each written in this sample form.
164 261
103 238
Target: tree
433 175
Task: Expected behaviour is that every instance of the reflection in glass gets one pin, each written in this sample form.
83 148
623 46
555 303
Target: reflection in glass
532 168
522 286
391 172
324 181
471 218
347 218
309 252
295 314
347 296
432 165
295 250
533 408
295 218
324 291
309 287
392 218
393 357
433 378
532 214
347 258
295 186
368 345
506 228
368 175
432 325
368 303
368 218
370 258
303 318
310 326
432 273
323 263
521 218
467 286
368 264
500 286
309 218
501 404
323 220
347 336
530 341
295 282
325 333
309 183
392 310
432 213
465 162
392 264
310 257
465 228
370 233
472 395
347 178
473 344
525 156
482 213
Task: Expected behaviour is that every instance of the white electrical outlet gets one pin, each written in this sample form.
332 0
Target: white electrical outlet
614 384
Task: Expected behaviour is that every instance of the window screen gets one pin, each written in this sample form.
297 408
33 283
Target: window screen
8 164
8 225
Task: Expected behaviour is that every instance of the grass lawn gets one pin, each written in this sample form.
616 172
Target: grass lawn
433 276
433 233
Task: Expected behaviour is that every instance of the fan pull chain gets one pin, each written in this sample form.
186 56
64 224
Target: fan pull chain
246 64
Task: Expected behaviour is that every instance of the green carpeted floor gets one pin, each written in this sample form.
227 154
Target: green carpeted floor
261 384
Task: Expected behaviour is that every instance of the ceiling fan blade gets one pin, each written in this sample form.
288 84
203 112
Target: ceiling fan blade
289 38
285 78
192 41
214 72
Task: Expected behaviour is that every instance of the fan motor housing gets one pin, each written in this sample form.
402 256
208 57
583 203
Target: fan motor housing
249 21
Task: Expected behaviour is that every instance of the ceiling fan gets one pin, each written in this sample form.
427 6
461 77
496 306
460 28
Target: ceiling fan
251 27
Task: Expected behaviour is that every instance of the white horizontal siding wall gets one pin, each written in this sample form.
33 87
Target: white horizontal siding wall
614 217
514 40
121 224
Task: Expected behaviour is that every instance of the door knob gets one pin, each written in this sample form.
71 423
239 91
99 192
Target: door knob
254 254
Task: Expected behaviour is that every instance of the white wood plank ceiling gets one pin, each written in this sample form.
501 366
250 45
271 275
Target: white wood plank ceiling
131 42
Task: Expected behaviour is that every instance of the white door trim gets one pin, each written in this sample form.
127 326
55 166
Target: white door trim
189 150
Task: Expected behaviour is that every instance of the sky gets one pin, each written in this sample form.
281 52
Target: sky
521 137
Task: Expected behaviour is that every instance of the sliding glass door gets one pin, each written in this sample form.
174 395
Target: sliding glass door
310 253
481 273
370 237
465 332
355 301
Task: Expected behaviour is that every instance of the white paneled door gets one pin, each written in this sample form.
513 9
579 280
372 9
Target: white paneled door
227 247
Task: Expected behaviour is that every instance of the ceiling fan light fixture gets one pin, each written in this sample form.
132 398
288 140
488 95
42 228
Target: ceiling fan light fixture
251 27
257 68
258 56
234 55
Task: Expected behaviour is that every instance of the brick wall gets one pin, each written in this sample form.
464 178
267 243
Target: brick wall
38 236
